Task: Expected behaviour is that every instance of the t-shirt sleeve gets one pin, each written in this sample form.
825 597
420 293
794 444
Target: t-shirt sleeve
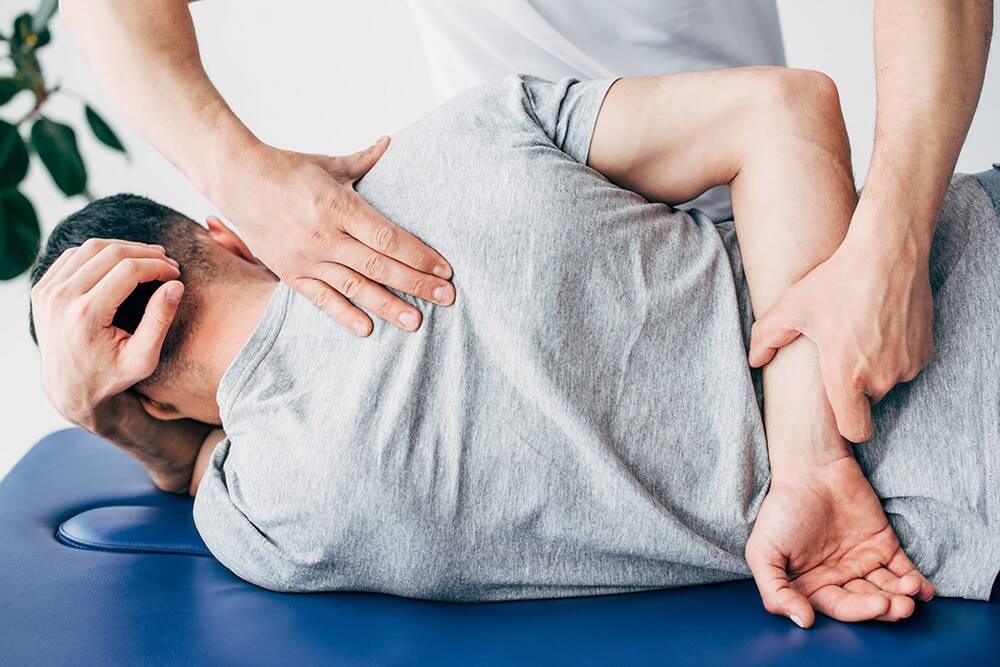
566 110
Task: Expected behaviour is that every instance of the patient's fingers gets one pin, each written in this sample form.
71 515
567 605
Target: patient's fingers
849 402
771 332
900 606
908 584
778 596
333 304
84 252
901 566
98 266
54 268
142 351
123 278
843 605
370 294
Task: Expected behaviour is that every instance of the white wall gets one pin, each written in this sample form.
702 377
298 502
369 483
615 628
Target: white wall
333 77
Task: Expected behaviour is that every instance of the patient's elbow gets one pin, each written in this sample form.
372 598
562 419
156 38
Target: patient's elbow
800 105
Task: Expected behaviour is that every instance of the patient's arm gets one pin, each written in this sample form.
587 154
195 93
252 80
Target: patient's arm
89 365
204 456
777 137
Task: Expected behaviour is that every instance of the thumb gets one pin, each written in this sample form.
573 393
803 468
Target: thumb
143 348
850 405
775 329
357 164
771 577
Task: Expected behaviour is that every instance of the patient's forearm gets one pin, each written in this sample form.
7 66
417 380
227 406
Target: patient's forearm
167 449
777 136
793 198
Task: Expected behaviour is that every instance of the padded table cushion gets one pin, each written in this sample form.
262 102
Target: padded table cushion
141 591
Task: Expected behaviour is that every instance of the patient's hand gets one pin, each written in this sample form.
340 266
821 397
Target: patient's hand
85 358
821 541
88 364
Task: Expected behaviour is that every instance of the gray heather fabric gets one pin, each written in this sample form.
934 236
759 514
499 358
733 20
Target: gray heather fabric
582 420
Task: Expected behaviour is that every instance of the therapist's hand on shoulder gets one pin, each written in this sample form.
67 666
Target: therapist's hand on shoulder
87 362
868 309
301 217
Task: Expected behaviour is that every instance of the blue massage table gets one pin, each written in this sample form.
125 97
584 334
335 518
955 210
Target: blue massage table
99 568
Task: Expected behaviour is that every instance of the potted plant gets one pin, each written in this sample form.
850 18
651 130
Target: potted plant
35 136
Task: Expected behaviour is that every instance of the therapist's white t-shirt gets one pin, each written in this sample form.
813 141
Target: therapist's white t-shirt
470 42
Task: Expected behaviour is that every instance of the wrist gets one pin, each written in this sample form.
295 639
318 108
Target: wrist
227 147
900 201
889 232
801 428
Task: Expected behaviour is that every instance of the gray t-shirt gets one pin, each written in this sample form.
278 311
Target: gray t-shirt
583 419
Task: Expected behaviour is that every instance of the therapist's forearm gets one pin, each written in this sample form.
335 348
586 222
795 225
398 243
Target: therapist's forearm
146 56
930 59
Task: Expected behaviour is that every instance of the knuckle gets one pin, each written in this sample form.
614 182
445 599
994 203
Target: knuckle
114 250
129 267
383 308
320 298
94 244
385 237
420 285
351 287
337 204
374 265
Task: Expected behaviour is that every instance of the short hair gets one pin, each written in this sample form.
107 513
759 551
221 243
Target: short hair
129 217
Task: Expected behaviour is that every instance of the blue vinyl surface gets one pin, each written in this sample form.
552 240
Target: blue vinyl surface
60 604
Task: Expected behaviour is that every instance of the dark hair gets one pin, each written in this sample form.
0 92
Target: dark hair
131 218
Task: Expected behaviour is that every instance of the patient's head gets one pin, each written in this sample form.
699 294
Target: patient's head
218 272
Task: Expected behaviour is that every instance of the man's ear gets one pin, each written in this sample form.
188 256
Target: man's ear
228 239
158 410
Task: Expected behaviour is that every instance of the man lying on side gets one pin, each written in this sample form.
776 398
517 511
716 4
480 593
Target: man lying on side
583 419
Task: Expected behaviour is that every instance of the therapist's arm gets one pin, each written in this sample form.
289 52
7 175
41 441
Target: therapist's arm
777 137
297 212
868 308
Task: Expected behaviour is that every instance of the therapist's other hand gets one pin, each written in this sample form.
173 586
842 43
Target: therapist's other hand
87 361
869 311
300 215
821 542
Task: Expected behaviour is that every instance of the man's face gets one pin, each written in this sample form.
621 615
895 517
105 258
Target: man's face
176 397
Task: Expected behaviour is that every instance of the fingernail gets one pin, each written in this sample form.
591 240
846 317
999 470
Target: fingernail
441 271
174 293
408 319
442 294
797 621
360 328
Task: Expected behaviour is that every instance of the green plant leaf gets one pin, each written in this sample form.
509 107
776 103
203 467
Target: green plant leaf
25 38
13 156
46 8
102 130
9 87
55 144
21 33
19 234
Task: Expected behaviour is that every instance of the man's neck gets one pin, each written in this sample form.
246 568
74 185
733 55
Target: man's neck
231 312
